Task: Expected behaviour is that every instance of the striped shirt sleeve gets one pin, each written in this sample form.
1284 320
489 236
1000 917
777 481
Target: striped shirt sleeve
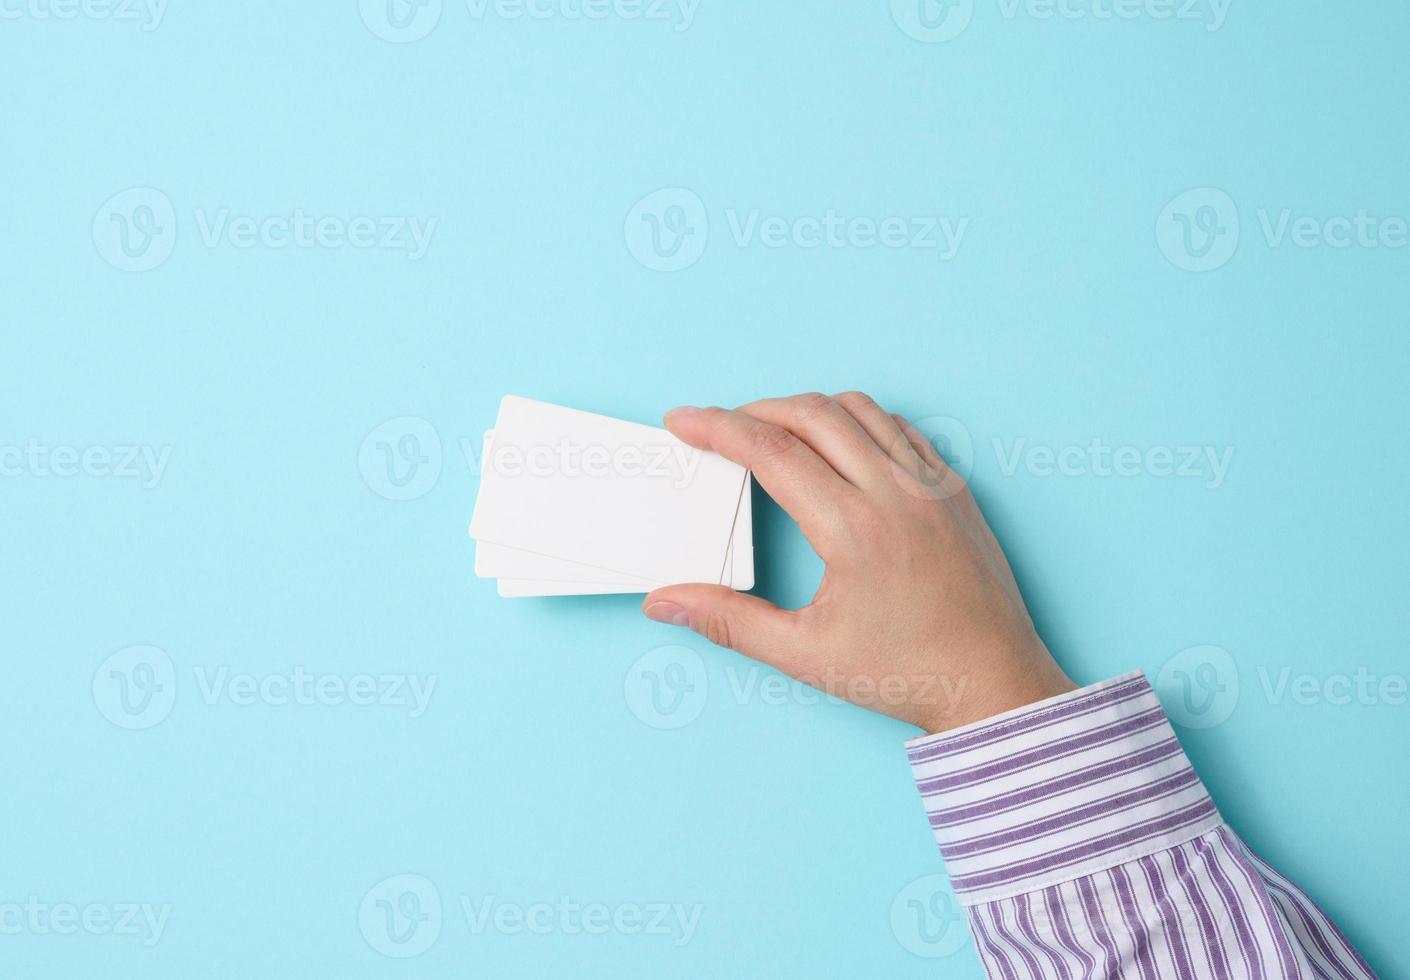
1083 844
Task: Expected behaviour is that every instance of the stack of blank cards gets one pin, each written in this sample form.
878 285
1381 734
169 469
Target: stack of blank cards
573 503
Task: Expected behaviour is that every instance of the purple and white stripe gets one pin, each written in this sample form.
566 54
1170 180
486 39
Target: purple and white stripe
1083 845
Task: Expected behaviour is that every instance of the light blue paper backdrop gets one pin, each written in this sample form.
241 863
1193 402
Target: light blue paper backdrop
1141 266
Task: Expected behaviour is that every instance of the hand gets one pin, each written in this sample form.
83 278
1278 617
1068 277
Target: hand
918 615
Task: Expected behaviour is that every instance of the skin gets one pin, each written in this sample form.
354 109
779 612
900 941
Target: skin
918 615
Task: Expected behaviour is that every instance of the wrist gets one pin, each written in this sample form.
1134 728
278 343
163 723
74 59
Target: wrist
996 684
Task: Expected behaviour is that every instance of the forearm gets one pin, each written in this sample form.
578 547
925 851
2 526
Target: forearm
1083 844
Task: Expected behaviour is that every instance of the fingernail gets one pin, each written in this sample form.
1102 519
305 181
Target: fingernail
683 412
668 612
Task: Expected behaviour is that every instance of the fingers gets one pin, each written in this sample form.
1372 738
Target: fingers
803 484
828 430
731 619
920 444
934 474
880 426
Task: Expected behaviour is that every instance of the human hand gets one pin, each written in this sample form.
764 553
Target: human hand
918 615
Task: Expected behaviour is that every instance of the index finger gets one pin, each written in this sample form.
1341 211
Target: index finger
800 480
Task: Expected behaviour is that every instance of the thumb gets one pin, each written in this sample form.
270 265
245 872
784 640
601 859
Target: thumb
727 618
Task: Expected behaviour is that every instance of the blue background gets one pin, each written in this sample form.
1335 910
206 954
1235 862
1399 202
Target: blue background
794 826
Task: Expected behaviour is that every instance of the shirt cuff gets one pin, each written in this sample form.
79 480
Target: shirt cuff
1059 789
